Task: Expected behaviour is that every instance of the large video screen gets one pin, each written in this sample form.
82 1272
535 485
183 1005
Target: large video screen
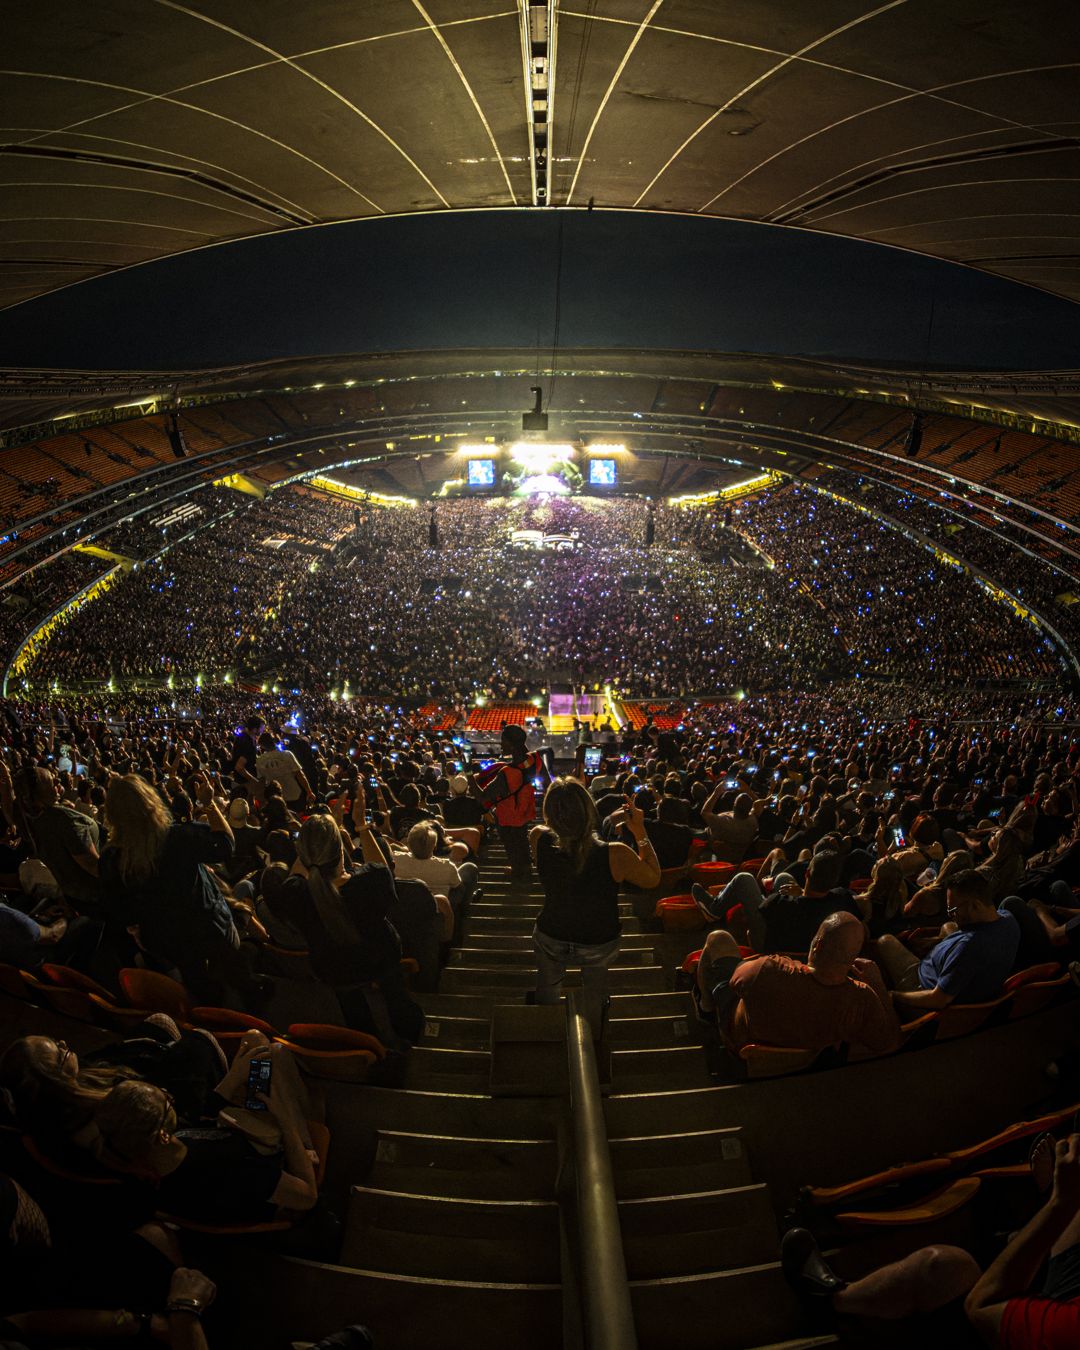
481 473
602 472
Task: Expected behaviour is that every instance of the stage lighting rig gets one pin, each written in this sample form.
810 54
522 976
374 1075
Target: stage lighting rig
535 420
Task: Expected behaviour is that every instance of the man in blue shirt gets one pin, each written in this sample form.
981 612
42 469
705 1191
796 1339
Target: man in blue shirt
970 962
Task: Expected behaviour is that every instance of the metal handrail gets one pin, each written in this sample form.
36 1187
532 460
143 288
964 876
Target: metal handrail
607 1314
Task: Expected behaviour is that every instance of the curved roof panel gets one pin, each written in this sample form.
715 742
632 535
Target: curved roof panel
134 129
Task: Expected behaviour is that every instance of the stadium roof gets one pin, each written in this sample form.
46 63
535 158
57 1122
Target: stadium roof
137 129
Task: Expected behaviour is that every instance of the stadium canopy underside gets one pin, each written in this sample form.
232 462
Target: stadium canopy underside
139 131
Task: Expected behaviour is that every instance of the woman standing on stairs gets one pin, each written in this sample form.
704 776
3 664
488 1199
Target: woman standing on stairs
580 874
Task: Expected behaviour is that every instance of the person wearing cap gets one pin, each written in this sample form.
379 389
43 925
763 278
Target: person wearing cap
508 789
246 839
460 810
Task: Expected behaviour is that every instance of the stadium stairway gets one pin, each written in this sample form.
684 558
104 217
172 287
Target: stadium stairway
453 1226
457 1224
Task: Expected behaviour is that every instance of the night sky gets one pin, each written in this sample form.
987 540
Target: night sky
487 279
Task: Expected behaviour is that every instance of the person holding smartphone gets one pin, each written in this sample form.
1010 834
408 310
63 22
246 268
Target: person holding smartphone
581 875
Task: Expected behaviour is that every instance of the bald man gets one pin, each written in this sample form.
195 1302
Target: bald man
834 996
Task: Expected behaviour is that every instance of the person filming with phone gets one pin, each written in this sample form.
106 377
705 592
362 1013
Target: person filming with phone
581 875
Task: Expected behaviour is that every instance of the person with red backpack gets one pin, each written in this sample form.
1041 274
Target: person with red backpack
509 789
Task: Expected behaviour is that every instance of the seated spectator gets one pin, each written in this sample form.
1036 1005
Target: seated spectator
885 897
345 914
605 780
1004 869
47 934
923 849
278 765
834 997
1028 1298
674 808
787 919
970 961
928 903
57 1093
461 810
730 832
239 1171
159 885
440 875
64 839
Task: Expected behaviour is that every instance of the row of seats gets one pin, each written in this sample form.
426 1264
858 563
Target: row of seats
492 717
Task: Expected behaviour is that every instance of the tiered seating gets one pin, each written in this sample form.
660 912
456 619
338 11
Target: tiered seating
493 715
440 718
666 716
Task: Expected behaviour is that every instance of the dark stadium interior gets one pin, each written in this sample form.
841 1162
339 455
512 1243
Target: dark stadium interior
540 636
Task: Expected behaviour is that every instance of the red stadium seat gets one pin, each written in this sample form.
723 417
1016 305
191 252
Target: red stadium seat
153 992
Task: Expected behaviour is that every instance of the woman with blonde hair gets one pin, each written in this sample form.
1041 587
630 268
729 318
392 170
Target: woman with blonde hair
886 895
345 913
581 875
158 883
928 902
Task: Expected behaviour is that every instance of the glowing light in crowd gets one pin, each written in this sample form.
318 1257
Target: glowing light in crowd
543 484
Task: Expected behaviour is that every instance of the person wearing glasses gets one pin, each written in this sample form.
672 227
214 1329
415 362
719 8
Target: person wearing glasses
972 958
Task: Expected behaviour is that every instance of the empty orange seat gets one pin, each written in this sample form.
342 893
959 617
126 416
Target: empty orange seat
75 979
323 1036
154 992
937 1206
679 913
713 873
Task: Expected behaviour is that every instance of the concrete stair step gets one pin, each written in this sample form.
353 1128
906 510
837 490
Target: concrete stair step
525 957
497 940
692 1234
458 1033
659 1069
299 1300
478 979
477 925
645 1032
452 1238
465 1168
756 1306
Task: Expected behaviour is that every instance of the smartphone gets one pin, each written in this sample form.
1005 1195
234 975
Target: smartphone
457 765
731 783
373 784
258 1081
899 839
592 758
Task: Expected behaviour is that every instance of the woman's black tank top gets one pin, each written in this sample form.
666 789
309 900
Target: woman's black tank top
580 907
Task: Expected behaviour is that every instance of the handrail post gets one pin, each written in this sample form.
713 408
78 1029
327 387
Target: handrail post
608 1316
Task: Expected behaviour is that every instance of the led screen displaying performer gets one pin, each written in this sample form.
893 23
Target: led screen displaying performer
481 473
602 472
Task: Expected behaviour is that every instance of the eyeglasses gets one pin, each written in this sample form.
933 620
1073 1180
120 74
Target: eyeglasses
63 1053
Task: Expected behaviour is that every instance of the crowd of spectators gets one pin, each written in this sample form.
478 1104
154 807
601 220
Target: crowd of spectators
278 821
359 594
989 542
894 606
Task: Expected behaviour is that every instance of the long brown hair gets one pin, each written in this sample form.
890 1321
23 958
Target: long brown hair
138 825
570 814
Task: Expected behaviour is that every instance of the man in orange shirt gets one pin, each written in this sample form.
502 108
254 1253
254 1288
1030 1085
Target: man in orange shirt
834 996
